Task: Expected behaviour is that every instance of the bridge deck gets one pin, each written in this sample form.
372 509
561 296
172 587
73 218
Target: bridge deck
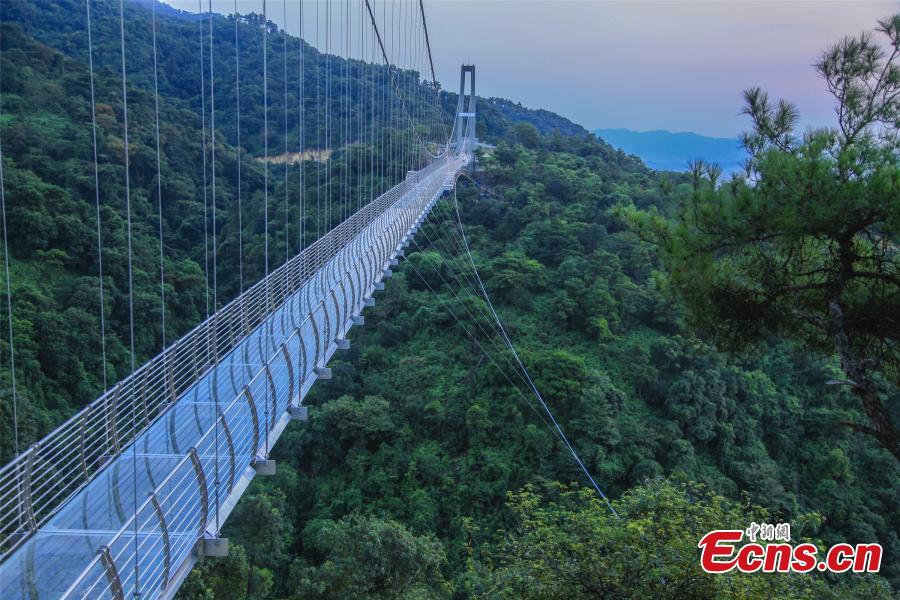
146 509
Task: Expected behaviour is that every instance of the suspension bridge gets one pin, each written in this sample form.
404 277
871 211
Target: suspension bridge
125 496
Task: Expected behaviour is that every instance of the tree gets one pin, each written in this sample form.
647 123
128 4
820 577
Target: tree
807 245
567 544
369 557
527 135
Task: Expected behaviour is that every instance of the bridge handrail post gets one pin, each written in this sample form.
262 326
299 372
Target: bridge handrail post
112 573
232 462
290 368
337 315
254 417
274 392
204 490
302 360
167 547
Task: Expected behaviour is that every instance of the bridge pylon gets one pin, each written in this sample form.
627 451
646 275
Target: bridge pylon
465 111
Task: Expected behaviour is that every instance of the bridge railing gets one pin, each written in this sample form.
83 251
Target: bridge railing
174 516
167 526
34 484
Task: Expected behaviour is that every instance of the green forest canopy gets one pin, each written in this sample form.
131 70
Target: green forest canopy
421 472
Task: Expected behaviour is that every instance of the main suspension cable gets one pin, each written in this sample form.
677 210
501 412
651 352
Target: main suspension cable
472 336
512 348
394 81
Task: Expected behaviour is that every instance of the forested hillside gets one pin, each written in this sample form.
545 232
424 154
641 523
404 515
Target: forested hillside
48 166
399 483
422 473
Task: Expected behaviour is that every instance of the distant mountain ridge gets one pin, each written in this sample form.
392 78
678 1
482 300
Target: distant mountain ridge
670 151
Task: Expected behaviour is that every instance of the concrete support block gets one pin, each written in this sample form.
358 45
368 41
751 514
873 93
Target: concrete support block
298 413
379 286
343 343
358 320
369 302
323 372
214 547
264 466
393 262
387 274
400 252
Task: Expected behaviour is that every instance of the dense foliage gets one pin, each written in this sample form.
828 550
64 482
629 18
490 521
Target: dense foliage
808 247
570 547
418 427
422 471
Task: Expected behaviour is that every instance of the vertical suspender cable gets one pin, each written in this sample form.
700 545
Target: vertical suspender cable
203 149
417 70
397 145
346 91
360 112
414 88
318 128
212 164
266 183
411 77
162 272
404 45
394 129
302 223
205 191
237 95
9 313
349 104
372 141
409 91
287 213
327 113
385 121
96 201
348 113
343 143
421 83
401 67
354 164
137 576
402 34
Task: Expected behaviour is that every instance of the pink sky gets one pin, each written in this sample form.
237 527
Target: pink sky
642 65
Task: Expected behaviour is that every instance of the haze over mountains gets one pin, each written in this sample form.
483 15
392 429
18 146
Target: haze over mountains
668 151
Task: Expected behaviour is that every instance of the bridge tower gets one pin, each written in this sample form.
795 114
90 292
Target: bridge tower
465 110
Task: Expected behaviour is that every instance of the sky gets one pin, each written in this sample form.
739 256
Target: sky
637 64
